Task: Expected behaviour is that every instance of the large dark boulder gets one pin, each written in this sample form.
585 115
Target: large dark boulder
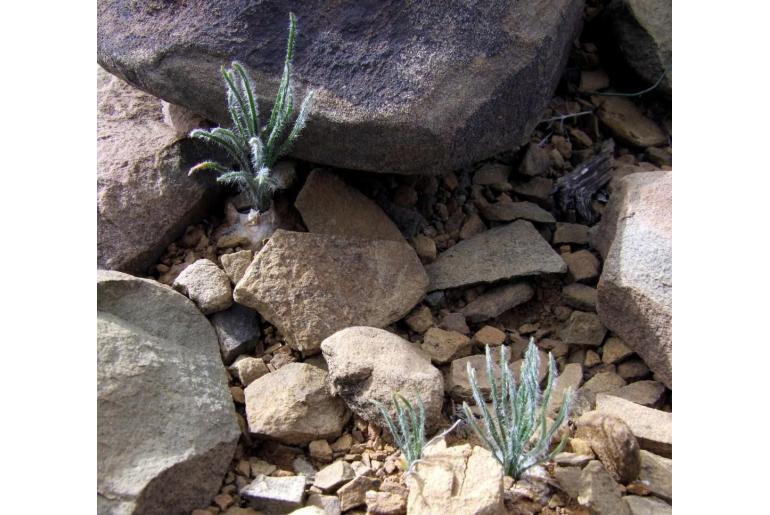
406 87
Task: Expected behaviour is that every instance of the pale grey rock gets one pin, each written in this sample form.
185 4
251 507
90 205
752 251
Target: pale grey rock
615 350
165 415
583 328
235 264
368 364
353 494
310 299
333 476
646 393
505 252
580 296
656 474
599 492
647 505
207 285
247 369
275 494
634 291
613 443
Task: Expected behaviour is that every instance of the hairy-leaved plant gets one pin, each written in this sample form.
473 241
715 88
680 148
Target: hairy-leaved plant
409 434
254 148
518 412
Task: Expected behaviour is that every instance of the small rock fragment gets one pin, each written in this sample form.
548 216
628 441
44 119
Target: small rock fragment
275 494
655 474
235 264
489 335
583 329
444 346
237 331
425 247
583 265
496 301
320 450
650 426
491 173
613 443
536 161
353 494
333 476
580 296
633 370
646 393
455 322
206 285
537 189
472 226
599 492
647 505
510 211
615 350
570 233
385 503
420 319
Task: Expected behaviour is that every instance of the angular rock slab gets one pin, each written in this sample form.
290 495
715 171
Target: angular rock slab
144 197
329 205
294 406
459 479
166 425
409 88
311 285
634 291
505 252
368 364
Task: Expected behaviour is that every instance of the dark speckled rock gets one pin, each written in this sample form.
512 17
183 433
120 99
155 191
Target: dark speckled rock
405 87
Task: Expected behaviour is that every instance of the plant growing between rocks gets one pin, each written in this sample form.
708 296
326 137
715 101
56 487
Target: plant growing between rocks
253 148
510 432
409 435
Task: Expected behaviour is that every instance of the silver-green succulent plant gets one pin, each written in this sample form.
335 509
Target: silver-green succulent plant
518 412
252 147
409 434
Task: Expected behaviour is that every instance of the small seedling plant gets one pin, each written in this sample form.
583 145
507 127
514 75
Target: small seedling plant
510 430
252 147
408 429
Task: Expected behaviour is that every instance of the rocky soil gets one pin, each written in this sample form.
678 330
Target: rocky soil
366 284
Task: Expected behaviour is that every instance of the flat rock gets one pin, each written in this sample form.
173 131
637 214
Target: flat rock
613 443
633 370
455 322
385 503
537 189
393 82
583 329
425 247
642 32
235 264
656 474
444 346
353 494
646 505
458 385
510 211
207 285
570 233
496 301
329 205
568 479
646 393
599 492
368 364
293 405
505 252
628 124
237 330
164 412
145 199
583 266
459 479
275 494
330 504
333 476
650 426
489 335
472 226
603 382
580 296
634 291
310 299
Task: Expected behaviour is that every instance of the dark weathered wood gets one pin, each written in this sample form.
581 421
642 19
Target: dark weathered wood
573 192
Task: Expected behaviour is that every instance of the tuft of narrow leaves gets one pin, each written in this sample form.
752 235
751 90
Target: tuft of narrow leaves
510 431
408 429
254 148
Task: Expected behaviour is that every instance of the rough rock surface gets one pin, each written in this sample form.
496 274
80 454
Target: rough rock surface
650 426
459 479
293 405
367 364
510 211
166 426
347 282
275 494
407 88
583 329
656 474
496 301
613 443
144 197
628 124
207 285
634 291
505 252
647 505
235 264
599 492
642 30
444 346
329 205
